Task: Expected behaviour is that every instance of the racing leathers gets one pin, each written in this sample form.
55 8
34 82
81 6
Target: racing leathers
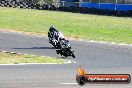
58 35
55 36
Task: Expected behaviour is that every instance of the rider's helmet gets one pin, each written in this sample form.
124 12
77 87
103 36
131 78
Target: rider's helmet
52 28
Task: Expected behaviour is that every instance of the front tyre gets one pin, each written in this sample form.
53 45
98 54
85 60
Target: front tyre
73 55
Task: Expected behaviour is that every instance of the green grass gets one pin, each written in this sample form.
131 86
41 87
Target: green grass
85 26
8 58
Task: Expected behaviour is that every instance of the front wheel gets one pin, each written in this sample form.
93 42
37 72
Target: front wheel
73 55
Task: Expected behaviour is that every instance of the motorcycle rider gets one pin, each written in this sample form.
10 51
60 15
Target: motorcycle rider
54 35
53 32
51 35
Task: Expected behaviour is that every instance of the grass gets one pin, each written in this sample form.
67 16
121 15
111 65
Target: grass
85 26
8 58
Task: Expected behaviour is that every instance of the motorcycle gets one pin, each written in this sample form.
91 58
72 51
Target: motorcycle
56 43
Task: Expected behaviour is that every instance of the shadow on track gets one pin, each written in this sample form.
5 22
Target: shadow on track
37 48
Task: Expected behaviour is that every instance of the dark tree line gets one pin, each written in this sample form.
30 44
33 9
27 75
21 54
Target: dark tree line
26 4
39 1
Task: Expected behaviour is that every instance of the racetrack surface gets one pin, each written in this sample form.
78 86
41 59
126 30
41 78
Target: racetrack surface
94 57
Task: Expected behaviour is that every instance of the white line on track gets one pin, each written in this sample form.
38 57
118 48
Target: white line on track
37 63
29 64
3 51
68 83
73 62
12 52
110 43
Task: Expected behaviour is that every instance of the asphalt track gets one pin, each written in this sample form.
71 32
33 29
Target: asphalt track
94 57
